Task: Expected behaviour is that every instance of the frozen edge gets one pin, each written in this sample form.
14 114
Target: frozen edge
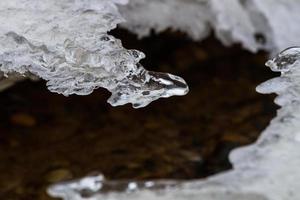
269 25
257 25
67 45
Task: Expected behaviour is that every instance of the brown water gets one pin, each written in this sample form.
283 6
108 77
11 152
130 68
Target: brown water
46 137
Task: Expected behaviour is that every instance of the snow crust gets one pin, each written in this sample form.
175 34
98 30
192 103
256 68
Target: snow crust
265 170
66 43
255 24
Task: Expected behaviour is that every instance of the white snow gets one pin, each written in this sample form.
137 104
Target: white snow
270 25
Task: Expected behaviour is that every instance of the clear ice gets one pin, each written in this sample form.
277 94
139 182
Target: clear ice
66 43
265 170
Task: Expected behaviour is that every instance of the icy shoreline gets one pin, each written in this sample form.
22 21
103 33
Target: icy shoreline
67 44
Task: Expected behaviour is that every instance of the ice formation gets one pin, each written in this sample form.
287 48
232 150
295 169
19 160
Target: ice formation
66 43
257 25
265 170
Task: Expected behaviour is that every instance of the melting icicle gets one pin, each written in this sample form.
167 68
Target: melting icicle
67 45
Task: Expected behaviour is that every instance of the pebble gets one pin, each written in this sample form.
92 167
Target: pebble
58 175
23 119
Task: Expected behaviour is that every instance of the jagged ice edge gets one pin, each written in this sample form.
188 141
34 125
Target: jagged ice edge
80 56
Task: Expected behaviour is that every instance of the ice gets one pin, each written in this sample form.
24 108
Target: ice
88 188
68 38
265 170
282 17
191 16
286 62
66 43
270 25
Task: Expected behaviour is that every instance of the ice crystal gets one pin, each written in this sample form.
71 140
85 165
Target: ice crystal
66 43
